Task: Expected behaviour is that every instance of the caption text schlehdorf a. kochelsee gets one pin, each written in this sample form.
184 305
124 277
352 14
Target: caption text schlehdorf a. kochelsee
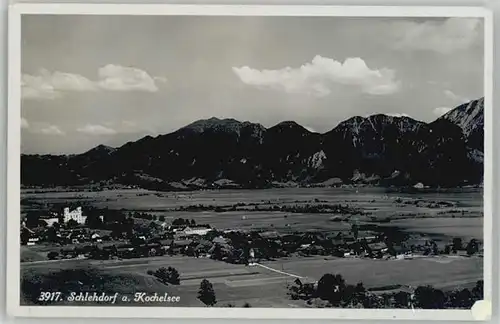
138 297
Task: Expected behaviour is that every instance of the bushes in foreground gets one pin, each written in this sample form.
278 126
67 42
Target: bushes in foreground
168 275
335 292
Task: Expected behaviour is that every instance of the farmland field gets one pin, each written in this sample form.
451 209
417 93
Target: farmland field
462 217
262 287
440 215
235 284
466 228
441 272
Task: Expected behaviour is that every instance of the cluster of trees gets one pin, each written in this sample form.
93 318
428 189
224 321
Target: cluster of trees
392 235
183 222
33 219
457 244
115 220
297 208
428 297
52 255
331 288
213 233
314 209
187 222
25 236
217 208
337 293
472 247
97 253
122 228
168 275
126 251
239 244
92 251
202 207
150 217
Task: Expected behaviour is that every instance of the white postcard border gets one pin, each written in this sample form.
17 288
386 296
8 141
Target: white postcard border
14 144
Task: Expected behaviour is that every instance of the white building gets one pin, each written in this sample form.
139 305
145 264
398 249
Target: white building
96 237
75 215
419 185
50 220
32 240
194 231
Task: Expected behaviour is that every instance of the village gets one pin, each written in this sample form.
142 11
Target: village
108 234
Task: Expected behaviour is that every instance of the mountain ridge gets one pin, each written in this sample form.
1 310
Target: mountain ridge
378 149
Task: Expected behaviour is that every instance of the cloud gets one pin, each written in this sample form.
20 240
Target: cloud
53 85
451 95
96 130
318 77
24 123
50 130
35 87
440 111
120 78
47 85
160 79
128 124
121 127
445 37
40 128
68 81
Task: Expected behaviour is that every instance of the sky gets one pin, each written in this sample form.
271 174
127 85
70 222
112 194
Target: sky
90 80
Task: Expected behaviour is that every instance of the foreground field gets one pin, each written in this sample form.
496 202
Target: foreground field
265 285
235 284
441 272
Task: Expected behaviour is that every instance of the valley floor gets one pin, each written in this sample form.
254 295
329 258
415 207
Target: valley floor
440 216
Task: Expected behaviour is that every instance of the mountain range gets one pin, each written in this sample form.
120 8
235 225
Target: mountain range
226 153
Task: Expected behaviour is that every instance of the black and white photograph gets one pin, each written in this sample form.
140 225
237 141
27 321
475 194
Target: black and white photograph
215 161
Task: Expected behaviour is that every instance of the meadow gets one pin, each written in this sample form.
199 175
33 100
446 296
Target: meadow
261 286
443 214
